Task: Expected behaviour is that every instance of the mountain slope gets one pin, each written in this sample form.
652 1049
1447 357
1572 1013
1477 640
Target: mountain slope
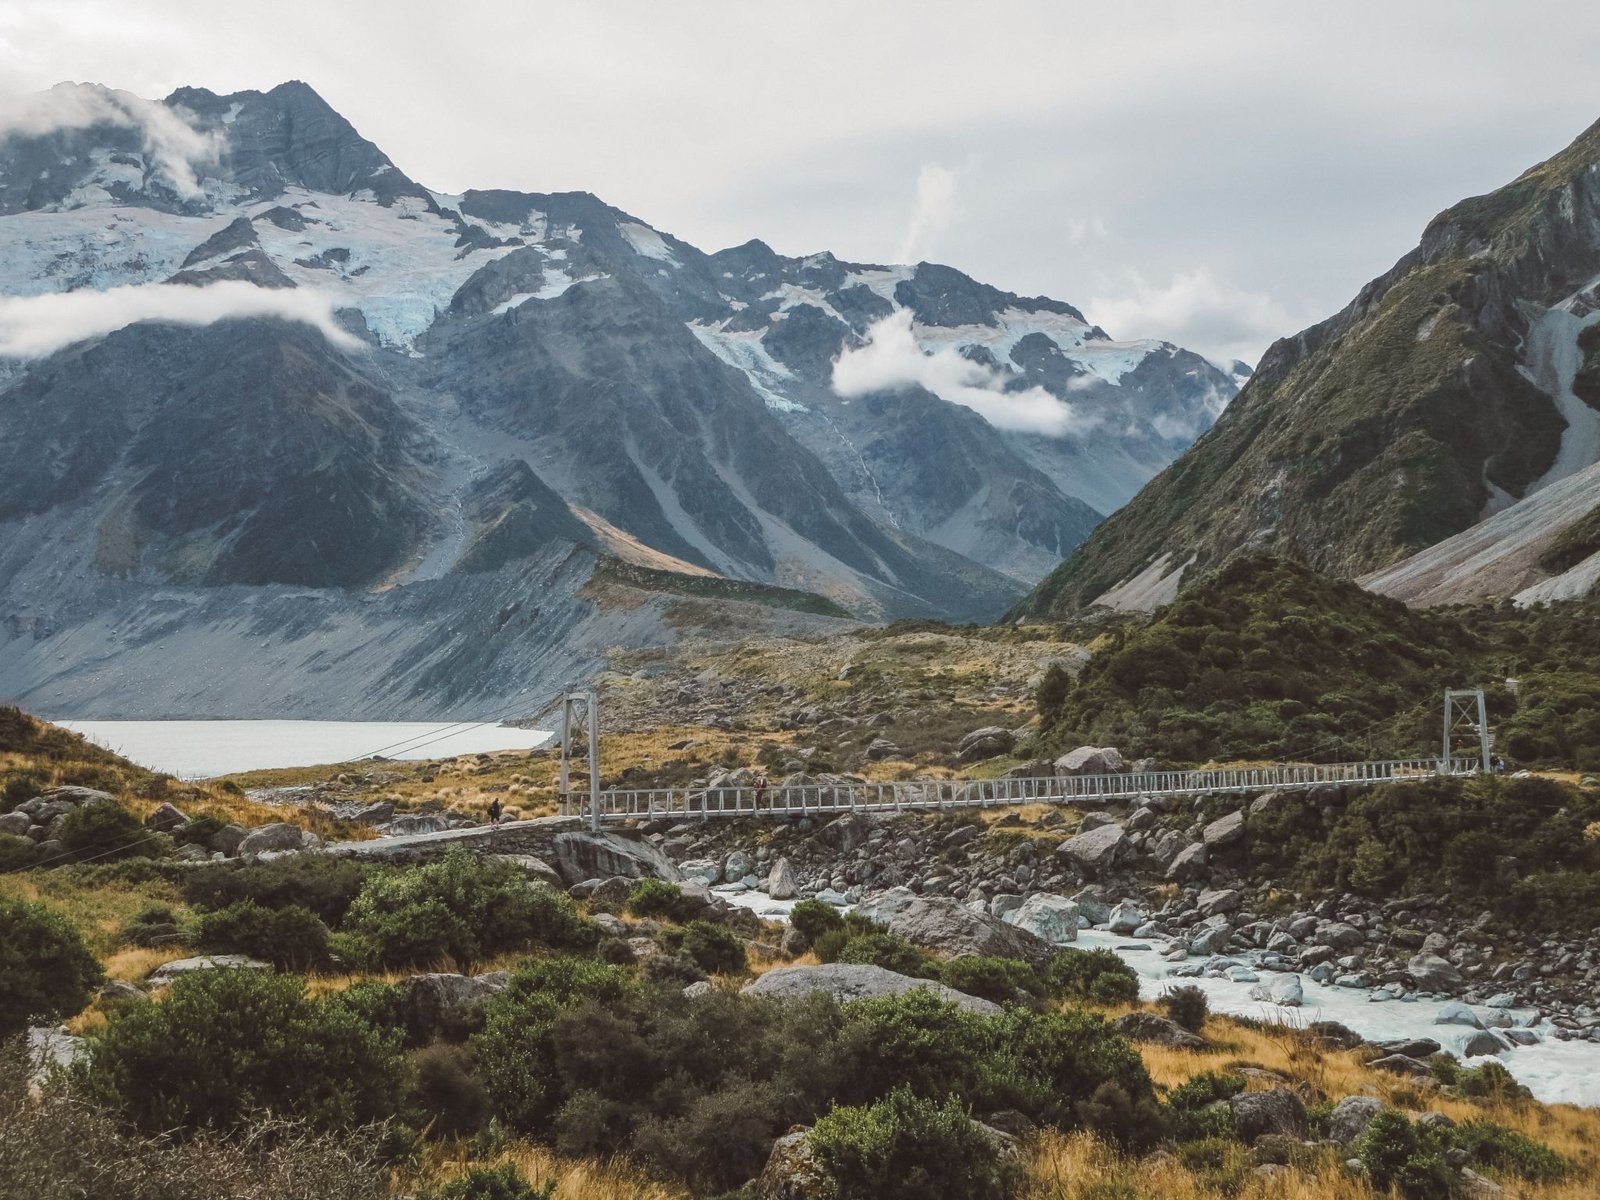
1443 393
271 360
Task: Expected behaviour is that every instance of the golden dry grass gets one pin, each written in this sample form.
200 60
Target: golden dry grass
575 1179
98 911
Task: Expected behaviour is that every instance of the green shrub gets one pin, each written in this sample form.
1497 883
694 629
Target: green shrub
463 911
715 949
323 885
226 1044
904 1147
878 949
1047 1064
1407 1157
372 1000
46 972
1506 1151
1491 1081
658 898
106 831
197 831
17 787
1002 980
813 918
17 853
1135 1123
1097 976
156 925
448 1098
503 1182
1186 1005
290 938
1189 1115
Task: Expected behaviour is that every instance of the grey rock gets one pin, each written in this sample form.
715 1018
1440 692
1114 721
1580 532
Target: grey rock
444 1005
1401 1064
1216 901
881 748
166 819
1188 864
1224 831
1433 973
1090 760
793 1171
1126 917
851 981
1457 1014
987 742
581 856
1097 852
737 865
944 924
535 868
227 839
16 824
1051 918
278 836
1277 1110
782 884
1149 1027
1350 1118
167 972
699 988
705 870
1481 1042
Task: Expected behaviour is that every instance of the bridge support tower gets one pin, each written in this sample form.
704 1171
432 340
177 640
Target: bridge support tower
1466 721
578 708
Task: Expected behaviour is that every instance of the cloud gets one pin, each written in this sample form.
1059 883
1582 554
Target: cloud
175 147
1198 311
33 326
892 360
932 212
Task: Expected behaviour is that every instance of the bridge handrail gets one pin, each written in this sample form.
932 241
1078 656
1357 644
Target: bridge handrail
800 799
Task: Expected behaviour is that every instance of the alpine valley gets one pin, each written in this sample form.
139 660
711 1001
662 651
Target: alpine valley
539 426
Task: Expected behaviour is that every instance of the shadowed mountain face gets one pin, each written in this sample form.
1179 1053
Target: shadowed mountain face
536 371
1453 388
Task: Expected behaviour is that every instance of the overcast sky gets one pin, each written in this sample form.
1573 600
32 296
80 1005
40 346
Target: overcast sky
1218 174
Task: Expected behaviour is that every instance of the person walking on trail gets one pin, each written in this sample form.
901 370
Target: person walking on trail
494 811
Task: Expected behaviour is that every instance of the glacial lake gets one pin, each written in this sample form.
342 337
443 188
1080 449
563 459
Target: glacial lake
202 749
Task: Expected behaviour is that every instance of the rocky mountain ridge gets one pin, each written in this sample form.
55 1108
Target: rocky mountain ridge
1453 388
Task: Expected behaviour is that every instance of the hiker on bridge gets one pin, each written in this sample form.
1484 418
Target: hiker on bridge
494 811
761 788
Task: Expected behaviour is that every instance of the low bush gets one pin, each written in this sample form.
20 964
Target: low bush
1189 1117
1186 1005
877 949
1002 980
17 786
227 1045
1409 1158
291 938
503 1182
463 911
323 885
105 831
1506 1151
813 918
46 972
658 898
1097 976
156 925
197 831
17 853
1491 1081
715 949
905 1147
448 1098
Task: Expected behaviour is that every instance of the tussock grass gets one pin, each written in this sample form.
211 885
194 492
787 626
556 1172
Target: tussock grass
575 1179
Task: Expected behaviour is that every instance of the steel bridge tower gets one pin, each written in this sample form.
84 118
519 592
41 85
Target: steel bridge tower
1465 720
585 707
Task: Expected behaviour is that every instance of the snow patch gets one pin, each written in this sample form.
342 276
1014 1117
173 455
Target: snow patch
647 241
744 351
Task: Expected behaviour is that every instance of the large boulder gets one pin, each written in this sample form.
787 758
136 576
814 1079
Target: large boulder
843 834
855 981
271 839
15 824
1050 918
1126 917
1457 1014
985 743
1432 973
882 907
1283 990
1188 864
1098 851
782 883
1091 760
167 972
535 868
1149 1027
1350 1118
166 819
581 856
944 924
792 1171
1215 901
1275 1111
1224 831
445 1005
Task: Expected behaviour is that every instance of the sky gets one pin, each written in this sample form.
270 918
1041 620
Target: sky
1220 175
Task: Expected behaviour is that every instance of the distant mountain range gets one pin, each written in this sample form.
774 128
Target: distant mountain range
1438 438
267 396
